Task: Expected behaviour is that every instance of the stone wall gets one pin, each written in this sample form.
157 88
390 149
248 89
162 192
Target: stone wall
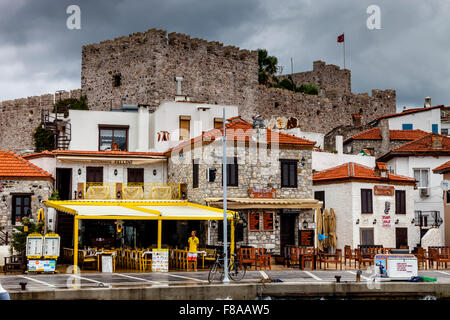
253 172
325 76
346 132
36 188
355 146
20 117
148 63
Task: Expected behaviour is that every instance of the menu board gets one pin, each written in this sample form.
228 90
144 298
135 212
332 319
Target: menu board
306 238
254 221
41 265
160 260
34 246
268 221
51 246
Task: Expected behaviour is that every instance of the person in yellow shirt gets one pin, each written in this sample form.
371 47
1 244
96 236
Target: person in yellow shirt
192 254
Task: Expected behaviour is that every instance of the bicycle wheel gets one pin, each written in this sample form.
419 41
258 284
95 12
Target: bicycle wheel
212 272
237 271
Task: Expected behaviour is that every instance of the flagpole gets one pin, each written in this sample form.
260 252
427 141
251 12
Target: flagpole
344 51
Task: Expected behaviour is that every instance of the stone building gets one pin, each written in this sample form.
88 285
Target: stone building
268 177
23 188
371 141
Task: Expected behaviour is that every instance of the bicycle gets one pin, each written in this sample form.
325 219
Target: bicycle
236 270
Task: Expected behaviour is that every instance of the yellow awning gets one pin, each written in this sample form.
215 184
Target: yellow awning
138 210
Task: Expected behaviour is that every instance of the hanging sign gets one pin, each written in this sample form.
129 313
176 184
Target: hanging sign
306 238
384 190
262 193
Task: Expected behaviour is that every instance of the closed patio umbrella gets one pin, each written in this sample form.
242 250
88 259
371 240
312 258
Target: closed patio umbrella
332 230
319 229
326 227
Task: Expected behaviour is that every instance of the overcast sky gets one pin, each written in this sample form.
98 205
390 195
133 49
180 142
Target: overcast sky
410 53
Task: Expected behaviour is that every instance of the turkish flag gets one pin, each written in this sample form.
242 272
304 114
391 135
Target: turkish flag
340 38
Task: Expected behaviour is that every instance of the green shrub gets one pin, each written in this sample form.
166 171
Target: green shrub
43 139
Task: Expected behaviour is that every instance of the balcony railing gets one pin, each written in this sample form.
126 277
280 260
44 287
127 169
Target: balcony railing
427 218
130 191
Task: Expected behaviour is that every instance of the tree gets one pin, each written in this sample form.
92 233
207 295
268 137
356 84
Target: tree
20 236
43 139
267 67
74 104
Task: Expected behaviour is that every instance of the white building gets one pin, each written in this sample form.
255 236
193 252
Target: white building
138 128
372 206
416 159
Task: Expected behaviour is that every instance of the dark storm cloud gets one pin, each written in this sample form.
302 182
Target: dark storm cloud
38 54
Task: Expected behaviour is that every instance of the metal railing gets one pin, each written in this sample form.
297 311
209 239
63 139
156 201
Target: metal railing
427 218
132 191
3 238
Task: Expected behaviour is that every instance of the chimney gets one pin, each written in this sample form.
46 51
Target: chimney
179 80
259 132
143 128
427 102
381 170
385 136
436 142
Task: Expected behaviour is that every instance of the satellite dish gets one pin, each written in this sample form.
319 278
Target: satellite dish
445 185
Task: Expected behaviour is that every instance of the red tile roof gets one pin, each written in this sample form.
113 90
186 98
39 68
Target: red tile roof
375 134
240 130
355 171
443 168
14 166
409 111
91 153
431 144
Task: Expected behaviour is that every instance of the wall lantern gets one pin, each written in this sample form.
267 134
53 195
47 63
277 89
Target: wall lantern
214 224
396 221
75 194
3 198
276 224
357 221
40 198
305 224
80 195
119 194
374 221
242 222
303 161
79 172
154 172
115 172
413 220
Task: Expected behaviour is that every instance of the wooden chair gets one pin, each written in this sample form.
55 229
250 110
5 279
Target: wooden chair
14 263
85 259
294 256
350 255
327 258
363 257
211 255
307 255
247 256
262 259
442 255
421 255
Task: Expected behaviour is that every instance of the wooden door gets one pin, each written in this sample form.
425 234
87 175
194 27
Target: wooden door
401 237
287 230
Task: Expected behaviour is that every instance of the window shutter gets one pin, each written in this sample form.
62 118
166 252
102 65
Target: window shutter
194 174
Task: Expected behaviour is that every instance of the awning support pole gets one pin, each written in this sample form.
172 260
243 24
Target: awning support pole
159 233
232 237
75 245
315 224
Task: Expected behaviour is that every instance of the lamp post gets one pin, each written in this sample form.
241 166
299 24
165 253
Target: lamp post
225 227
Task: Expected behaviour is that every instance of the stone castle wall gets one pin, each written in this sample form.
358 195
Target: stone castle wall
213 73
20 117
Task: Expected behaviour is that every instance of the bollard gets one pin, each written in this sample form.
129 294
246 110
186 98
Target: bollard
338 278
358 276
23 285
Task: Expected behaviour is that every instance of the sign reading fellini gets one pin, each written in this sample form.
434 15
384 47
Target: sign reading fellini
383 190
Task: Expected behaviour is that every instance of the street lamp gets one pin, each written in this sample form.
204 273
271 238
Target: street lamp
225 227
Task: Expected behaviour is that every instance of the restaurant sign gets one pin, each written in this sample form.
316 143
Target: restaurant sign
386 221
384 190
262 193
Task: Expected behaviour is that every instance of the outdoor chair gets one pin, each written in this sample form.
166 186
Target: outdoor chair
86 259
210 256
262 259
422 258
363 257
307 255
327 258
294 255
14 263
247 256
441 256
350 255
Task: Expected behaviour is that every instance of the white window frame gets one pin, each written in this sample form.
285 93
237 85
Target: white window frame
420 174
